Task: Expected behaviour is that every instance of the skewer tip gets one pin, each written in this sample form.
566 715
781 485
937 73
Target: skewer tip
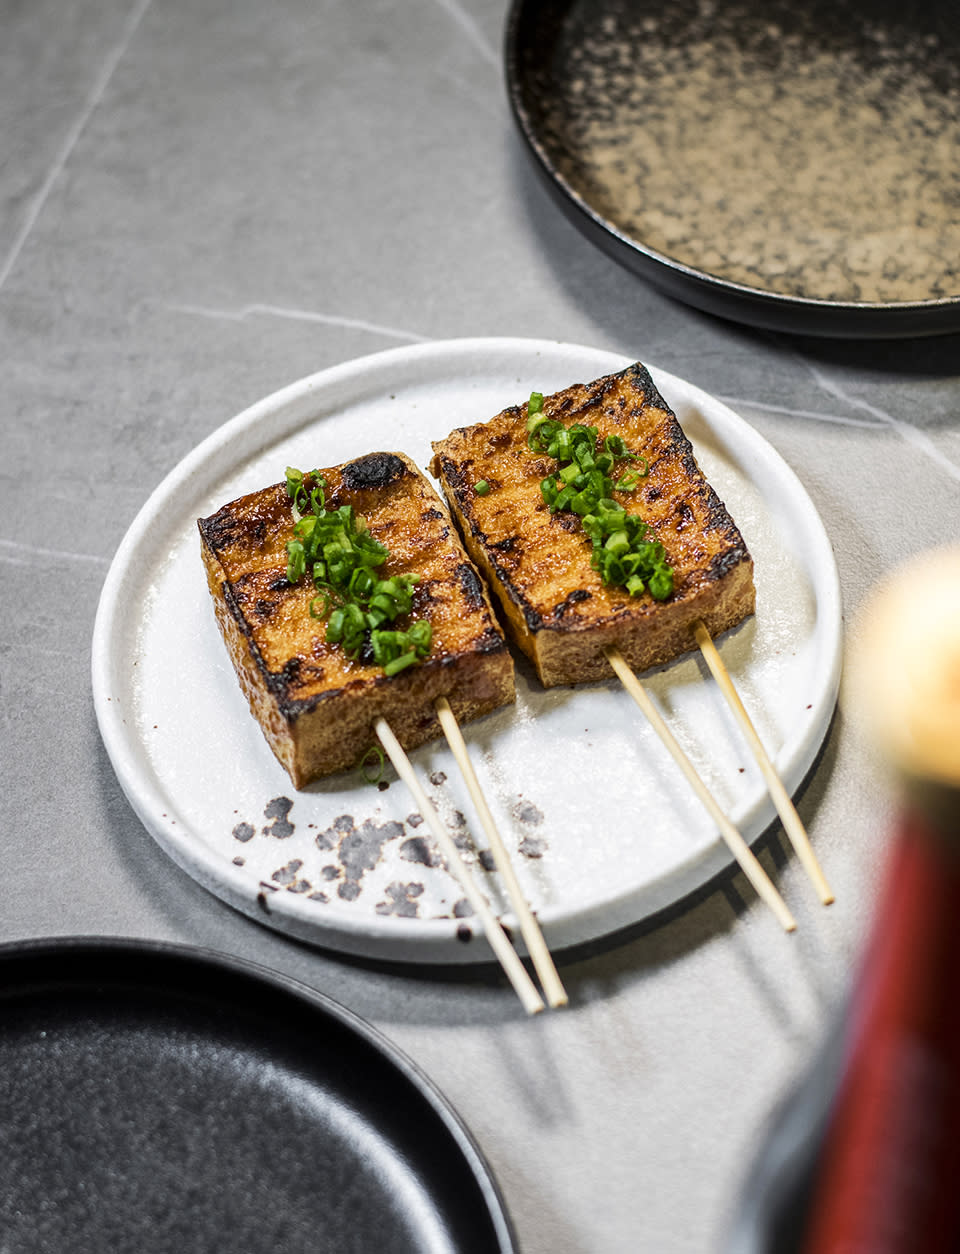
792 823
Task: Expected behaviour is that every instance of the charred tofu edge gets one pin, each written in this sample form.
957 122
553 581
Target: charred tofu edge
721 593
330 730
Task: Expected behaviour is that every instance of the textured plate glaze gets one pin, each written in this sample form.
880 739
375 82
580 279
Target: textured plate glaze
604 832
789 166
159 1099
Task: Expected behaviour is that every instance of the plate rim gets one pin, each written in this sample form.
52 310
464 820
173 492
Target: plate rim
76 957
396 938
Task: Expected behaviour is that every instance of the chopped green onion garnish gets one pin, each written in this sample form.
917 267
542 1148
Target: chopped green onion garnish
583 484
481 487
400 663
343 560
379 759
296 560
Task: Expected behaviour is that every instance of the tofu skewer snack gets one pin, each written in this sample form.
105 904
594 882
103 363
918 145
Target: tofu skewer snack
556 603
604 544
301 575
316 698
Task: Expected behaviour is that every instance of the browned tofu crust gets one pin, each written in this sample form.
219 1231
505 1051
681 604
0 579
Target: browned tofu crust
554 604
317 707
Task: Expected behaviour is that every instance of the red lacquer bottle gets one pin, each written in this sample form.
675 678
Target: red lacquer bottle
888 1175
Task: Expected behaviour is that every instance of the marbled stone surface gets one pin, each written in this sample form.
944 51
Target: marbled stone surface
201 201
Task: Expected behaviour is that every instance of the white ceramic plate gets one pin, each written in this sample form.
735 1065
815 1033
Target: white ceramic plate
603 829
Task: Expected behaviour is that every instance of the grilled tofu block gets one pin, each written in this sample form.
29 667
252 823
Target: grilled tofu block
538 564
315 706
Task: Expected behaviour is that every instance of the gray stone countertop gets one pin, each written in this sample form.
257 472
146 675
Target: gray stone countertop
203 201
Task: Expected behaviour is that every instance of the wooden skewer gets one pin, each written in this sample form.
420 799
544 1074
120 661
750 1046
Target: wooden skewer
529 927
792 824
506 954
735 842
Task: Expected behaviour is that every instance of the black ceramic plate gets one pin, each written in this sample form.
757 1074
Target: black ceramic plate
790 166
161 1099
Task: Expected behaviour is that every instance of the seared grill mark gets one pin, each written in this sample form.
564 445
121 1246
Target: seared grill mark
578 594
513 592
454 473
530 616
376 470
574 410
237 614
717 517
684 516
722 563
293 708
471 585
220 529
295 676
490 641
639 377
423 593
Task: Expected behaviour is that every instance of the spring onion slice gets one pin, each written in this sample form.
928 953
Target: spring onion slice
343 559
624 554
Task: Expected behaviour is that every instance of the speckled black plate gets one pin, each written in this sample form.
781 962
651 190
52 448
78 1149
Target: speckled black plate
156 1098
793 167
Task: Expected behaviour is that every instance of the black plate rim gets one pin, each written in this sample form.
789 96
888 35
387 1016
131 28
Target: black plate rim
752 305
77 957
